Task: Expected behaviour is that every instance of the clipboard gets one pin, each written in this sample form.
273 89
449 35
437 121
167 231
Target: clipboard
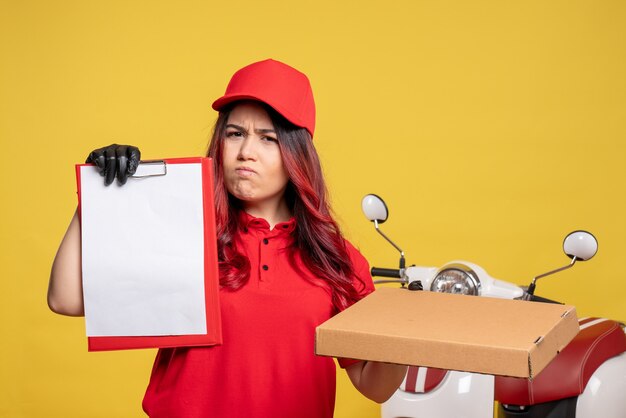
205 277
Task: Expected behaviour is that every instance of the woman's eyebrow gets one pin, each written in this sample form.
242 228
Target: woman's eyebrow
242 129
232 125
265 131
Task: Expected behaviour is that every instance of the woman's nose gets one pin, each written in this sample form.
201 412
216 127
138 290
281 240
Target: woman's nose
247 150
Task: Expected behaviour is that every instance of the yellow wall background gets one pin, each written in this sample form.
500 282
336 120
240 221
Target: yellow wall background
492 128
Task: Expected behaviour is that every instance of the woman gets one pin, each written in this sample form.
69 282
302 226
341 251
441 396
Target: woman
284 266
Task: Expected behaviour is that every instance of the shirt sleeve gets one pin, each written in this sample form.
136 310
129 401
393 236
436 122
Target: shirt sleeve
363 283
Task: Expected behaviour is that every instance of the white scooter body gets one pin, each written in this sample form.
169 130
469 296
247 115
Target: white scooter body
471 395
460 395
605 393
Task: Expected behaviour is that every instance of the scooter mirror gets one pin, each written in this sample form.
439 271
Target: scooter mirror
580 244
374 208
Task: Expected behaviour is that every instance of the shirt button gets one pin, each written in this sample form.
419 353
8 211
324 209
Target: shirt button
265 267
265 241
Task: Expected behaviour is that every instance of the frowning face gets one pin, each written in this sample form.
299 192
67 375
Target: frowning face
252 161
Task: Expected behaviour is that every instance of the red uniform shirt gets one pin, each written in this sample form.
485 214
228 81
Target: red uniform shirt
266 366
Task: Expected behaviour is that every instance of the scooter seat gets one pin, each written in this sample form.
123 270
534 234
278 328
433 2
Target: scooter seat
567 375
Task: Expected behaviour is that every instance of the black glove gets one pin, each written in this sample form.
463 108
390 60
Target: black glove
115 160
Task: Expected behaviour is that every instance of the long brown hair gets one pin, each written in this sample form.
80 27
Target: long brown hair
317 235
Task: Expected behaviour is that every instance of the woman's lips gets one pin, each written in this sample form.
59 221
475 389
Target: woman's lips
245 171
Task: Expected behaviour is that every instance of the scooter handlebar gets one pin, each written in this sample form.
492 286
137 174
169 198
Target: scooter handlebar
382 272
535 298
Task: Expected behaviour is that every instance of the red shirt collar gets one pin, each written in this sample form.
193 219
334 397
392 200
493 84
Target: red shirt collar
249 222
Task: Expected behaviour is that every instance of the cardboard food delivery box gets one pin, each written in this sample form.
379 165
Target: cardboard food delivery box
455 332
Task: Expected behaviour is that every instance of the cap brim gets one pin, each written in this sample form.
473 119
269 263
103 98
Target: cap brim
224 101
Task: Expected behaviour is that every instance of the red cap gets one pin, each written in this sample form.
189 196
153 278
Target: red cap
282 87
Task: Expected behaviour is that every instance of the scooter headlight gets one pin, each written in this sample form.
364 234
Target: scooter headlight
457 279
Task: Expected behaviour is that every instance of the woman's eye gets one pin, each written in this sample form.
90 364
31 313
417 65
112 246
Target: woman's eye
234 134
269 139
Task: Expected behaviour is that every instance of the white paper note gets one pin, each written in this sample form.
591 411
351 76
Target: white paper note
143 253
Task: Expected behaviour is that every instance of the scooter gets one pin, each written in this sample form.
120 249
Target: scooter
587 379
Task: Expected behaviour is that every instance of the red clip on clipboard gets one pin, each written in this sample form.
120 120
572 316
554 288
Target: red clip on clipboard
172 329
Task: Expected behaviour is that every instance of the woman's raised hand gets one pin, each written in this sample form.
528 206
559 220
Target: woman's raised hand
119 161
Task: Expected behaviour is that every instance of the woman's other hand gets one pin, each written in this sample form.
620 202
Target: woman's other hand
119 161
